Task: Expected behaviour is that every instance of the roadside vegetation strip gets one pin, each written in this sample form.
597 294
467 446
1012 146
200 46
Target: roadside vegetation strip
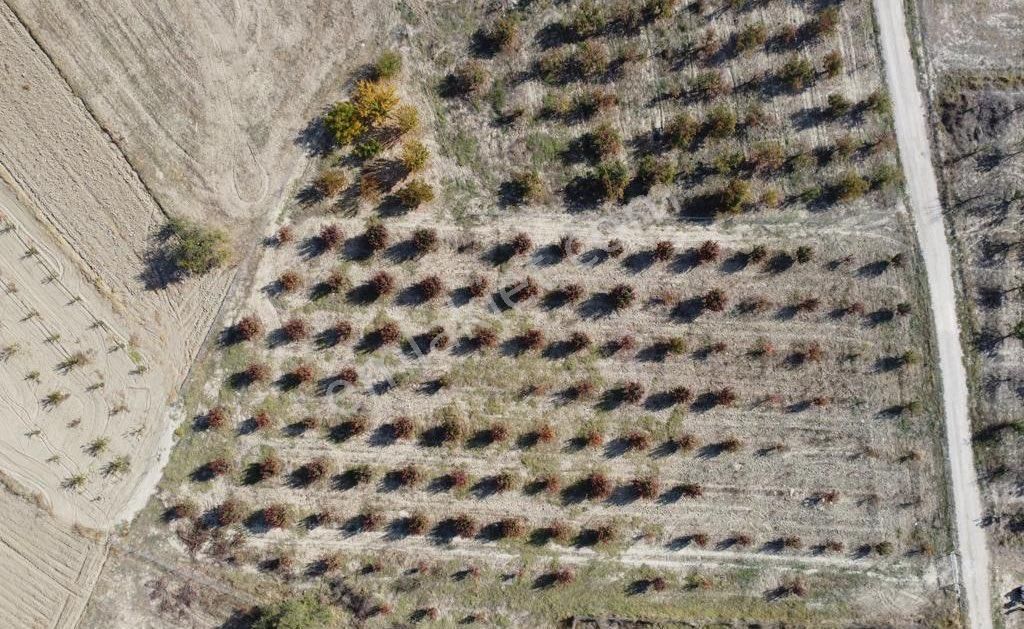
914 143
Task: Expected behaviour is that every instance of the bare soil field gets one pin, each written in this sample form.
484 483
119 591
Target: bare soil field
208 102
977 100
624 322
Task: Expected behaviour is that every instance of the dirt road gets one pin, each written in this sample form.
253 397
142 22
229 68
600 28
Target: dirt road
915 153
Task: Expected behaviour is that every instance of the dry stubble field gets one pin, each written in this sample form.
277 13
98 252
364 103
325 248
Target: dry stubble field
705 394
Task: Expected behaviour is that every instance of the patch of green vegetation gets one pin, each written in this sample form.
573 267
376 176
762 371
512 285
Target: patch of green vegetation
462 146
408 13
544 148
301 613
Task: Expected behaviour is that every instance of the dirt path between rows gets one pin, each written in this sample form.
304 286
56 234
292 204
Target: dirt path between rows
922 187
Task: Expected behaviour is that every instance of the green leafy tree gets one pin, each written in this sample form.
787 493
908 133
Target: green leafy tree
195 249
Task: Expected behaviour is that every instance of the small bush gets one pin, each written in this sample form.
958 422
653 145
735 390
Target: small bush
257 373
341 330
388 333
528 187
878 102
733 197
415 156
425 240
612 177
465 525
485 337
603 141
563 576
344 123
504 34
374 101
388 65
721 122
532 339
680 395
592 59
682 130
521 244
652 171
850 186
285 235
588 20
833 63
797 73
510 528
505 481
478 286
664 250
578 341
336 281
231 511
838 105
715 300
331 181
270 466
751 36
262 420
416 193
709 251
216 418
469 79
638 441
725 396
183 509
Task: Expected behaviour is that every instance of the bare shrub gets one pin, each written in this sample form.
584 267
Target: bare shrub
249 328
431 287
216 418
622 296
377 237
331 236
290 281
633 392
646 487
295 329
597 486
